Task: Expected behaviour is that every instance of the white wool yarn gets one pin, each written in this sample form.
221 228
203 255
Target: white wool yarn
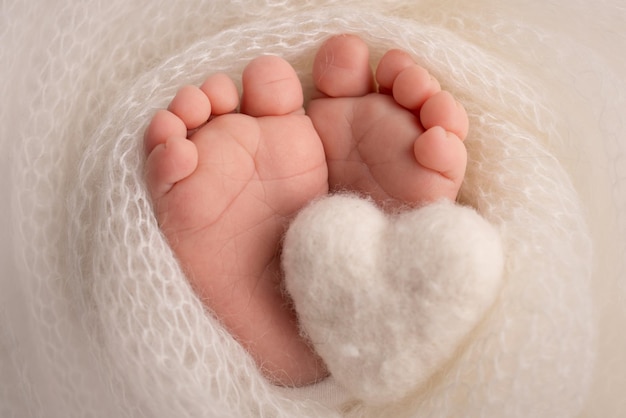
386 300
96 317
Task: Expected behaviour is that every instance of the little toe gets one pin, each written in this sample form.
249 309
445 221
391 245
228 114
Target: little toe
341 67
442 151
270 88
163 125
169 163
442 109
222 93
192 106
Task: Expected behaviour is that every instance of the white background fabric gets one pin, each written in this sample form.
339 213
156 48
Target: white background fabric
96 318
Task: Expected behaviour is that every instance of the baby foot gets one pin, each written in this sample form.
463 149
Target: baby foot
224 186
387 299
402 145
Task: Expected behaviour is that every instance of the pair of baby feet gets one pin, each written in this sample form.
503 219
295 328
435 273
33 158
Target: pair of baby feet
226 184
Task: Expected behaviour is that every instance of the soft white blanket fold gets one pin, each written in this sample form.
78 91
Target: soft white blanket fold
96 316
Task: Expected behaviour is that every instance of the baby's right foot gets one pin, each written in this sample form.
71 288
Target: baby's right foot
401 145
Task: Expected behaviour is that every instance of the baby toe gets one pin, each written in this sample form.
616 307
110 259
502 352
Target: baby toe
414 86
270 88
391 64
163 125
442 109
169 163
222 93
442 151
341 67
410 84
192 106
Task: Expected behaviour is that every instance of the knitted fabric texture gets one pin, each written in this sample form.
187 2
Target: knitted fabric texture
97 318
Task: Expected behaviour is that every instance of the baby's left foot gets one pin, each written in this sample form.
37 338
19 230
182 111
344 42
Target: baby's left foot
401 145
224 186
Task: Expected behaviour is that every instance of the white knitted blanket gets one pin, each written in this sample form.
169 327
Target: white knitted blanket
97 318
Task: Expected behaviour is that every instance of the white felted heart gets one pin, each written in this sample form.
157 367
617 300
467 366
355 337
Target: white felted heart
387 299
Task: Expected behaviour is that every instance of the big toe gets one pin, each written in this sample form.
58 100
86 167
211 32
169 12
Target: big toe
341 67
270 88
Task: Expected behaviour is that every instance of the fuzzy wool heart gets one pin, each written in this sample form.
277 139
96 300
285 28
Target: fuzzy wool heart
387 299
